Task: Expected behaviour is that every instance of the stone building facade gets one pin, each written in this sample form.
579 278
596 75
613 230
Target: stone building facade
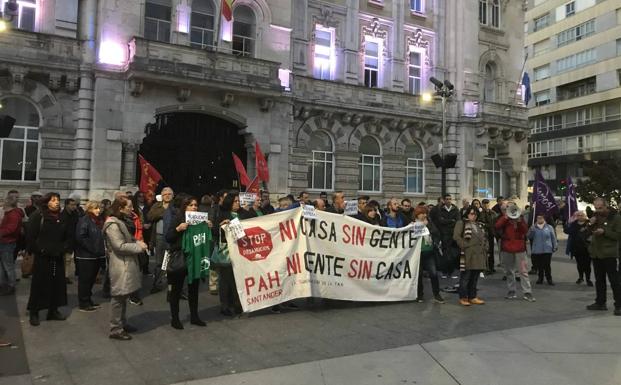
330 89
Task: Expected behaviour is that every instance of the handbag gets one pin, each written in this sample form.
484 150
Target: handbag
27 264
220 255
174 261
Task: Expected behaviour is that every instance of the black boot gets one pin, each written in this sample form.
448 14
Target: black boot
54 315
34 318
174 315
193 302
540 280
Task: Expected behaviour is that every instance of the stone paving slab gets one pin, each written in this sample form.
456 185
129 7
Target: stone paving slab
494 358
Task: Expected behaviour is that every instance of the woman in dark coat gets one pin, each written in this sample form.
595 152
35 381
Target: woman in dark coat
229 300
48 238
174 237
579 234
89 253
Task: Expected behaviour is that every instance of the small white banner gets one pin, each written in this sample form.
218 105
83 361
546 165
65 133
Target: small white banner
247 199
309 212
351 208
195 217
236 228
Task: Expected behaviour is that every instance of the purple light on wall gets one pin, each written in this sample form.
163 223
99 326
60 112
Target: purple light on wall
112 52
183 18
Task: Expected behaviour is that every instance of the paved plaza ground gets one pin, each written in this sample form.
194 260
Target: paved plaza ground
552 341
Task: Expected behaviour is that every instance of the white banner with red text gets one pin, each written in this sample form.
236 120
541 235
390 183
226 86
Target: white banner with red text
285 256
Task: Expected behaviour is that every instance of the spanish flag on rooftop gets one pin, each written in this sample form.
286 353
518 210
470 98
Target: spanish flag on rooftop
227 9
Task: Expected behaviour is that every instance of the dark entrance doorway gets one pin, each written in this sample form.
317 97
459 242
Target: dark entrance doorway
192 152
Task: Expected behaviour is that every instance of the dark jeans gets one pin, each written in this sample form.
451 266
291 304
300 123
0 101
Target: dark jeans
468 283
428 264
450 257
542 264
176 282
583 264
603 267
88 274
228 290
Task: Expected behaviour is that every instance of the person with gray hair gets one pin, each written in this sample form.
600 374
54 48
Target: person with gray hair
158 240
10 232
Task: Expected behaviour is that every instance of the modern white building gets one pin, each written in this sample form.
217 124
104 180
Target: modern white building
574 52
330 89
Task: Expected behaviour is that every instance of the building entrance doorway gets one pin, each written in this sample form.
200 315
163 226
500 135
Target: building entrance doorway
192 152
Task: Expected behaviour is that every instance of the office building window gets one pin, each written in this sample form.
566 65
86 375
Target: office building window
542 72
414 73
370 164
157 20
570 9
324 53
542 22
26 15
417 6
202 24
542 98
244 32
321 165
414 169
372 50
19 159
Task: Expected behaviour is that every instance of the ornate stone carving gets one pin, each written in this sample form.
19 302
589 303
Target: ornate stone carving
480 131
183 94
417 40
227 99
493 132
55 81
356 119
375 30
402 125
346 118
520 136
325 19
266 104
136 87
507 134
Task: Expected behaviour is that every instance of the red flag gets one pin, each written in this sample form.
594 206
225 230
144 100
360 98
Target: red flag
241 170
149 178
227 9
262 171
254 186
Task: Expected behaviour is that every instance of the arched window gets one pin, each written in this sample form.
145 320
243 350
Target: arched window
490 177
321 164
157 16
20 151
244 31
202 22
489 90
414 169
370 165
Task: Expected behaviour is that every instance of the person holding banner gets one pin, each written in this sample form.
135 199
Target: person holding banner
229 300
394 218
194 241
338 203
471 238
370 216
428 257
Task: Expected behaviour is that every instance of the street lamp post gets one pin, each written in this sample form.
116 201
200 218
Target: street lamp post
444 90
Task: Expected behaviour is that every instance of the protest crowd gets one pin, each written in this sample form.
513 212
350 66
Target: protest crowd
123 242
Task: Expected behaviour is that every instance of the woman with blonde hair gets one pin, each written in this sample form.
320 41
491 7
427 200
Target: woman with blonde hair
89 252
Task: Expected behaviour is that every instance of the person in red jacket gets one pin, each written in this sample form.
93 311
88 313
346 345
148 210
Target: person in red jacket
513 254
10 231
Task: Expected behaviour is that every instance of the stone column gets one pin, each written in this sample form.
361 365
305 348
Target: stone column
129 158
352 43
87 13
398 47
300 36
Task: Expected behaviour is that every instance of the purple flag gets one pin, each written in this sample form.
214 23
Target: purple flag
543 198
570 199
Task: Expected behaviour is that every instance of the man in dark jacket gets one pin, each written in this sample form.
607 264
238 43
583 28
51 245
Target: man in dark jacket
488 218
447 217
338 203
70 215
513 253
604 250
